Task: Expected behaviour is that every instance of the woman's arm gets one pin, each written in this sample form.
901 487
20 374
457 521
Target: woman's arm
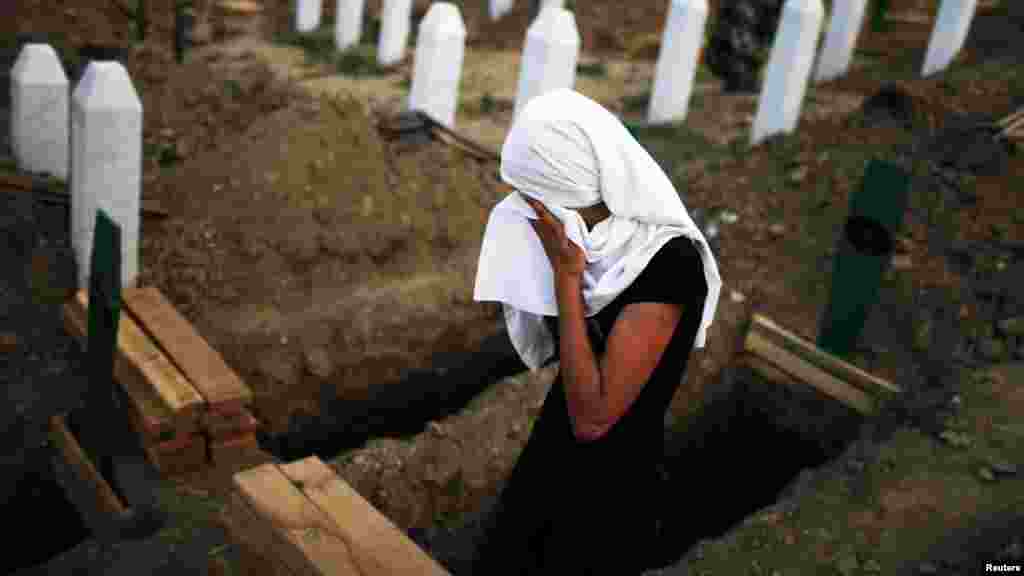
599 393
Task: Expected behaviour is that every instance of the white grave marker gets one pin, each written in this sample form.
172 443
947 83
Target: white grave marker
396 19
948 35
348 23
549 56
307 15
499 8
437 63
39 111
788 70
677 60
843 28
106 163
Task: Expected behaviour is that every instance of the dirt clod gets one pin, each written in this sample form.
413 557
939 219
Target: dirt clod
8 342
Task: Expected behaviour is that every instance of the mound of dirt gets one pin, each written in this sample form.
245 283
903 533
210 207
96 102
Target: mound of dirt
312 254
454 466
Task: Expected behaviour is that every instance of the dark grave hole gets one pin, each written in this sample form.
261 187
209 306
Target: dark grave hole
37 495
397 409
745 454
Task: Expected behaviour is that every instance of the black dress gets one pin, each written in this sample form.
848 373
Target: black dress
571 507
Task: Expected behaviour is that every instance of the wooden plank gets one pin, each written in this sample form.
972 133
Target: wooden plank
254 539
149 416
15 181
379 546
179 456
824 361
224 427
305 539
765 369
218 384
72 452
159 372
159 389
808 373
234 450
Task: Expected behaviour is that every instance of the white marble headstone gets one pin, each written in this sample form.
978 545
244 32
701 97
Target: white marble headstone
348 23
39 111
106 163
677 63
788 70
549 55
437 63
843 28
948 35
395 23
307 15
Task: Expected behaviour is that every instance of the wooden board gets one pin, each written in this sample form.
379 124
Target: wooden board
224 427
305 538
808 374
72 453
234 450
152 414
146 368
218 384
766 370
378 545
179 456
254 539
824 361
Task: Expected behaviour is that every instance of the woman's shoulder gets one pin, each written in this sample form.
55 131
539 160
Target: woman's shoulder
680 254
674 274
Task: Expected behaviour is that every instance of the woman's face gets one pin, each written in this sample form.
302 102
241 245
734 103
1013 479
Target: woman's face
591 215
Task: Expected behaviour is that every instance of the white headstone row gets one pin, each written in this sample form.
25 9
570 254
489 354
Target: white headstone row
791 58
549 59
95 135
552 45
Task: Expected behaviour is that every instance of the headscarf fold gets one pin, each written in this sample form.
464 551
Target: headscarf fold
568 152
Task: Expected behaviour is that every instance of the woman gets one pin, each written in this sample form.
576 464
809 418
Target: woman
593 254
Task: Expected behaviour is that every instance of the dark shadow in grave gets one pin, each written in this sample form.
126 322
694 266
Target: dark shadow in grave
399 409
36 495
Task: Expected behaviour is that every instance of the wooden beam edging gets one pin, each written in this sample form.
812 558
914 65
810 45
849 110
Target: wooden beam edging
802 371
874 386
162 394
223 390
317 524
72 453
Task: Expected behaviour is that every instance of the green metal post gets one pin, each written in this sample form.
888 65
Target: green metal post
141 21
878 22
104 316
875 217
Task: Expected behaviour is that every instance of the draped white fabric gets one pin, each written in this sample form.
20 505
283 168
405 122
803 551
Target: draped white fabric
568 152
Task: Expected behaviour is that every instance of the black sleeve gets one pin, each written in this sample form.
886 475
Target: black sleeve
675 275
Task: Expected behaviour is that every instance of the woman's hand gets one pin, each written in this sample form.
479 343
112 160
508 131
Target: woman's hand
567 259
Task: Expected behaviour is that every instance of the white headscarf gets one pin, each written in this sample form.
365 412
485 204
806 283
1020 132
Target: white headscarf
567 151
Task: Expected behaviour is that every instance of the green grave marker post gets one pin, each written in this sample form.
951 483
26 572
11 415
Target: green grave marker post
104 429
878 22
865 249
104 317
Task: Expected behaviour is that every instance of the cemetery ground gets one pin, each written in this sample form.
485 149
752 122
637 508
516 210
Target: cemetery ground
322 260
